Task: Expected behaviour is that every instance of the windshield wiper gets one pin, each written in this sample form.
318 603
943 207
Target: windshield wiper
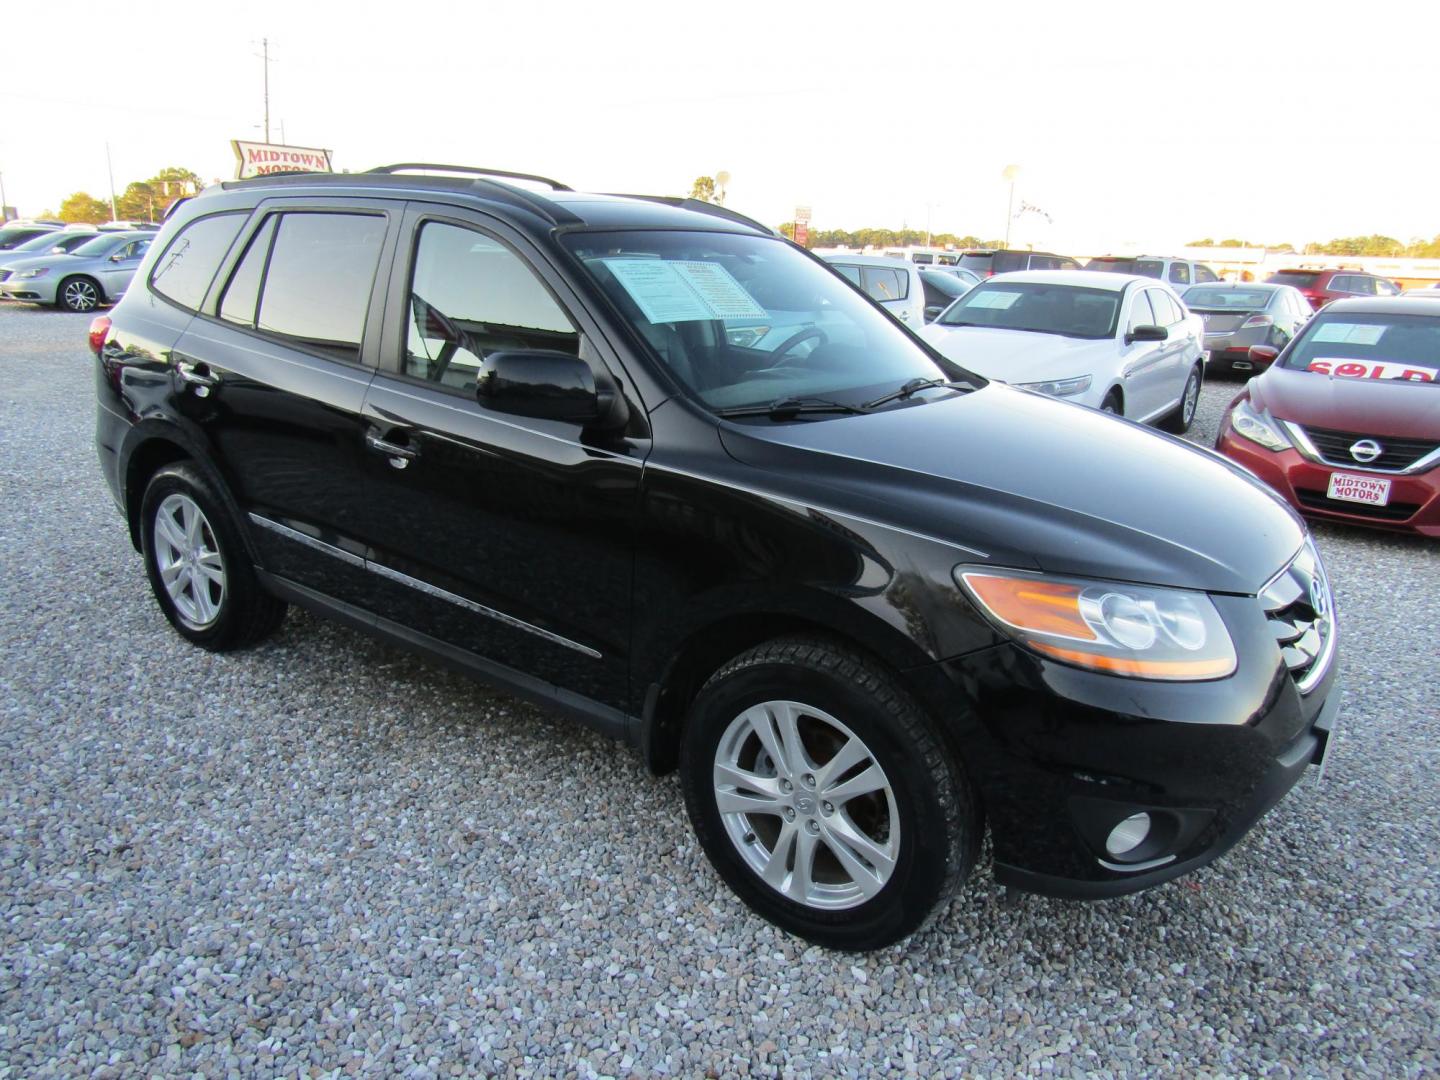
785 408
914 386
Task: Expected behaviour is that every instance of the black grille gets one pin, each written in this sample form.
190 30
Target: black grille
1318 500
4 274
1334 447
1300 611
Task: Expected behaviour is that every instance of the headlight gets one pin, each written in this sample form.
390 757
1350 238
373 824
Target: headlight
1059 387
1132 630
41 272
1258 427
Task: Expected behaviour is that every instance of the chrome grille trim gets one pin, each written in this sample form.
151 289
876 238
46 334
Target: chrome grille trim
1305 632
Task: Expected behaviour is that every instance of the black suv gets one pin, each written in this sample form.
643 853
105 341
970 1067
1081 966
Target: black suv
988 262
646 462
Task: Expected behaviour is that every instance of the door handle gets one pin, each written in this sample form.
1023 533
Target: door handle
198 375
399 454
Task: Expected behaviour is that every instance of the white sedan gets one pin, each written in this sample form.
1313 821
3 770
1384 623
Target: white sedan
1116 342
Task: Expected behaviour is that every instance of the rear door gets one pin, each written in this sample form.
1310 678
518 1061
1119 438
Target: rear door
507 537
274 371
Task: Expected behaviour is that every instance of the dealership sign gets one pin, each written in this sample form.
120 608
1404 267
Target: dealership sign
258 159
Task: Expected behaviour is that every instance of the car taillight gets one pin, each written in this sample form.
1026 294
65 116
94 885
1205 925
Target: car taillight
1257 320
99 331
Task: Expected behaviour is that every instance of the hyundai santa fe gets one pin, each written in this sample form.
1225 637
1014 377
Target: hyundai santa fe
870 604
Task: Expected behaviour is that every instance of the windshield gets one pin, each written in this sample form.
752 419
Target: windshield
1356 346
43 242
11 238
1299 278
1112 266
1068 310
744 320
100 245
1202 296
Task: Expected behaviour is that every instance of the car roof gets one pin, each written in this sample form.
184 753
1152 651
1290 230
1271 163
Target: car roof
874 260
1368 305
1081 279
541 211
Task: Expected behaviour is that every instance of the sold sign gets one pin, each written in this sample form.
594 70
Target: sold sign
1366 369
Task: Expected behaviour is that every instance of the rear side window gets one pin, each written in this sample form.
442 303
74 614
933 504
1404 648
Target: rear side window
1006 261
883 283
1301 279
979 261
851 272
318 270
1044 262
184 272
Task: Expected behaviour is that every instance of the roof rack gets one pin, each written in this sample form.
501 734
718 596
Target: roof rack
470 170
699 206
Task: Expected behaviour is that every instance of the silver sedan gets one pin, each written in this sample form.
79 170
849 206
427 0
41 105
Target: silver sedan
97 272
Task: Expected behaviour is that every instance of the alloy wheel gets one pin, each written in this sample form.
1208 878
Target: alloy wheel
807 805
188 558
1192 398
80 295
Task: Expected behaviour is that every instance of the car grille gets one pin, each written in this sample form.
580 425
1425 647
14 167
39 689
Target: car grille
4 274
1318 500
1395 454
1301 613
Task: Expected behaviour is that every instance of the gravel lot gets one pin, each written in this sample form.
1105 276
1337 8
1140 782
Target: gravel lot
324 857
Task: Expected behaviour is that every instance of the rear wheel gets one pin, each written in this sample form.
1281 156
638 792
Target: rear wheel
1183 416
78 294
199 571
823 795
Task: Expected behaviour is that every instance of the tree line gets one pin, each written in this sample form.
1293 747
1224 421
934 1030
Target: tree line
142 200
1374 244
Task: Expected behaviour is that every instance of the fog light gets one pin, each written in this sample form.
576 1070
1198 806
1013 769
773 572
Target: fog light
1128 835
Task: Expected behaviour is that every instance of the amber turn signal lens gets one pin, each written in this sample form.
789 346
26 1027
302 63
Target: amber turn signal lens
1045 607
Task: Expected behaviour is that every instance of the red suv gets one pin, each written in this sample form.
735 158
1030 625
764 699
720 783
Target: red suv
1346 422
1322 286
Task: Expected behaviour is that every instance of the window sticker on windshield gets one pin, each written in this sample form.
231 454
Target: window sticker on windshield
1372 369
1349 333
992 298
675 291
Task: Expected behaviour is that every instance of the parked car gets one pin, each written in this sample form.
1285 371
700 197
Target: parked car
19 232
969 277
894 284
868 602
1320 287
1180 273
1346 423
987 262
1239 317
1117 343
925 256
57 242
97 272
942 288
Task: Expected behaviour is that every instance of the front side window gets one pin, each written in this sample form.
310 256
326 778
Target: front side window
1371 347
185 270
1204 274
883 283
1067 310
1180 273
744 320
1141 314
470 295
1167 311
318 270
1151 268
133 250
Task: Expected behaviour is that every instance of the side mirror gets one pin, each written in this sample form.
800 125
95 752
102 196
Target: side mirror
933 312
1147 332
1263 354
549 385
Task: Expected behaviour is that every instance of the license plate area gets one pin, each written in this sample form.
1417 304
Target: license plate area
1369 490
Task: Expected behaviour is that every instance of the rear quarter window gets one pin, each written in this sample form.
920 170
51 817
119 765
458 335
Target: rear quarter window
187 266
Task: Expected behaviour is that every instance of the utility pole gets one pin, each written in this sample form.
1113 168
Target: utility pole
110 169
4 204
1010 173
265 45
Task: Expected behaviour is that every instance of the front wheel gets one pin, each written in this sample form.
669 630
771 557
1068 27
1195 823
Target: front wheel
78 294
199 571
1179 421
824 797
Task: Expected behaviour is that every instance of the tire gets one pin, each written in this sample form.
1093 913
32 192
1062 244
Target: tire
78 294
213 598
908 807
1179 420
1112 404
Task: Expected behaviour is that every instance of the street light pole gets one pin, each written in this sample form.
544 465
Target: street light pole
4 203
110 169
1010 173
265 45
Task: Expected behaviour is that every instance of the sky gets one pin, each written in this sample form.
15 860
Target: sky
1135 126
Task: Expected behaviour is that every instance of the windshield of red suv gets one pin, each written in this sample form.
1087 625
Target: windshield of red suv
745 320
1369 346
1068 310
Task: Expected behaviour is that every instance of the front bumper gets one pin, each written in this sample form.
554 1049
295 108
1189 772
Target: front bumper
30 290
1414 504
1060 756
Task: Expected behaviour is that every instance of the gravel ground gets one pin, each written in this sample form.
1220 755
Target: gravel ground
323 857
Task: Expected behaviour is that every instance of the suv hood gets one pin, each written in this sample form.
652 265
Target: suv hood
1040 484
1018 356
1365 406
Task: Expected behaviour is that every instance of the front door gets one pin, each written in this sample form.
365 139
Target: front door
507 537
273 373
1145 364
120 267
